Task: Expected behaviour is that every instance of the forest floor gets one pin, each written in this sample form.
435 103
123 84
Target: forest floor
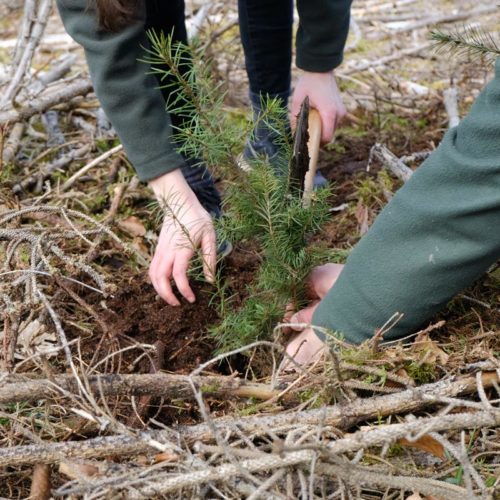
96 312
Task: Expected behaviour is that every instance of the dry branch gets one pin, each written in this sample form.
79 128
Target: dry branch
357 35
13 142
28 109
58 71
389 18
17 389
363 66
47 171
450 99
391 161
41 484
226 472
342 416
35 25
445 18
357 475
90 166
346 415
383 434
257 461
154 384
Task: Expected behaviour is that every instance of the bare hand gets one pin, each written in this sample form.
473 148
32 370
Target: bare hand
322 279
319 282
307 347
187 226
324 95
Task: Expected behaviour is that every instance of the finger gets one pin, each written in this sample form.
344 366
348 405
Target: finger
160 276
153 271
179 274
340 116
303 316
328 124
289 311
209 255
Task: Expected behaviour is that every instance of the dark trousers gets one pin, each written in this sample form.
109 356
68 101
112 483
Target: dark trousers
266 35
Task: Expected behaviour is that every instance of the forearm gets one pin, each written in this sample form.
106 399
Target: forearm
128 95
322 33
440 232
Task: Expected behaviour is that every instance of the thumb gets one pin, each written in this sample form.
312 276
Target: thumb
303 316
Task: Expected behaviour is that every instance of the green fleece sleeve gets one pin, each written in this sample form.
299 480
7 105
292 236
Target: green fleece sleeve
322 33
128 95
439 233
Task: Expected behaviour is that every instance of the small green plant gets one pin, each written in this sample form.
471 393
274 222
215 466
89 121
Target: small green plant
267 212
422 373
262 205
104 145
313 397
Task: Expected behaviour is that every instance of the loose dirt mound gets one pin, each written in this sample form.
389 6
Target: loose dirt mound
135 314
136 311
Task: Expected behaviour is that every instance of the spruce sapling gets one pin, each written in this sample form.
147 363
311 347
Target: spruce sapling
260 205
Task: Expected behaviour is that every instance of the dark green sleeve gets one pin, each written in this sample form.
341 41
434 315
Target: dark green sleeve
129 96
323 29
440 232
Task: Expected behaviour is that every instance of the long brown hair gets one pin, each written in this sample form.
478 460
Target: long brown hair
114 15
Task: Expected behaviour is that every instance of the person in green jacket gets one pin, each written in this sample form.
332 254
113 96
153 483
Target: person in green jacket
113 34
439 233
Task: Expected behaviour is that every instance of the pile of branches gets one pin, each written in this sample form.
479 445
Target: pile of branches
316 452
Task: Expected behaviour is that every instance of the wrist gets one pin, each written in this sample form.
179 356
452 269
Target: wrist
319 74
171 183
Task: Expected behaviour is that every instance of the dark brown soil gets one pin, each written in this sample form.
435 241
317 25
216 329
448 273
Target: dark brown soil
134 317
137 312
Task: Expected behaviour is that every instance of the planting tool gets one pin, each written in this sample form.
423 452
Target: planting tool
299 163
314 129
305 151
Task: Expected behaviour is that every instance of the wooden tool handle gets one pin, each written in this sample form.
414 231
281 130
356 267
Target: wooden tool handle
314 128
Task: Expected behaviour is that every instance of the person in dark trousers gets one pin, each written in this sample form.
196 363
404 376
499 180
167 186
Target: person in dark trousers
113 34
439 233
